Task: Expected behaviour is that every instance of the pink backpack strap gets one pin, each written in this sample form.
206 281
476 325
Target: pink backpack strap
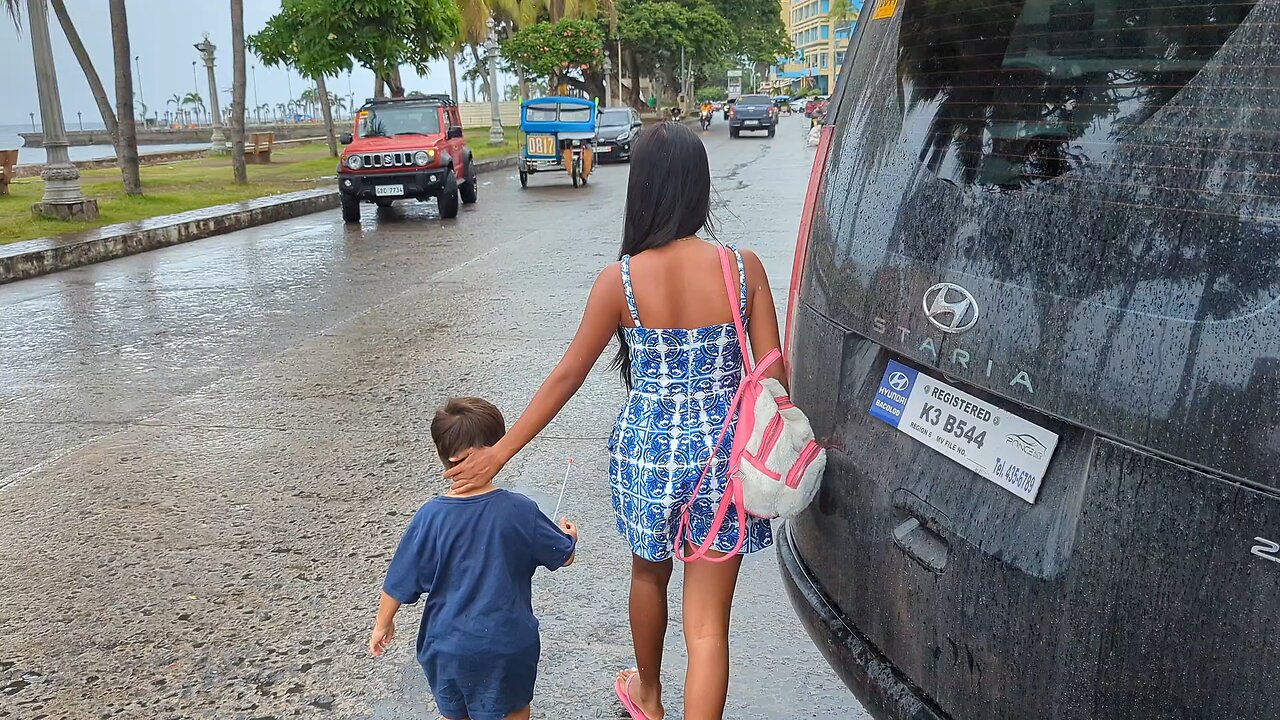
733 487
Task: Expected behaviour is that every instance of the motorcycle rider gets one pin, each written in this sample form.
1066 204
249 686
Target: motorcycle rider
705 113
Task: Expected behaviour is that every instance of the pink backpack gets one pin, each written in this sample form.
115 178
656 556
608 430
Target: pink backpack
775 465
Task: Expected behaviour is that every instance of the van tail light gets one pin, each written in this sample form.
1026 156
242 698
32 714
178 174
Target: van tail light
802 243
733 112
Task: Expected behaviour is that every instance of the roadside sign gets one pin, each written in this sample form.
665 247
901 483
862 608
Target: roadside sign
735 84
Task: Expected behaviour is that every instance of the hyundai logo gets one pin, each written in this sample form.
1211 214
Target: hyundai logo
898 381
950 308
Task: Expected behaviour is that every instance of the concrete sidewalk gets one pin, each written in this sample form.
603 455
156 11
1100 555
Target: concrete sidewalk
41 256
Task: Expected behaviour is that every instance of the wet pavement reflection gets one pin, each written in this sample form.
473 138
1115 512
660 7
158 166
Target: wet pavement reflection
210 452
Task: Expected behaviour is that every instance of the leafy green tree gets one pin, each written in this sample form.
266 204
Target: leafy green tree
656 32
323 37
569 52
709 94
758 33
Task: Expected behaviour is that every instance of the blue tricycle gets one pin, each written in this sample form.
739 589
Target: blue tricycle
558 134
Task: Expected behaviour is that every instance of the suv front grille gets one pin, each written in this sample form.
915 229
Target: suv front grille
386 160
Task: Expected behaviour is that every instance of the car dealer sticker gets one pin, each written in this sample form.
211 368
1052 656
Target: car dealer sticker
989 440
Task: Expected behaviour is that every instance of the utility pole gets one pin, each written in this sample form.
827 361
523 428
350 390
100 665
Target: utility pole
63 198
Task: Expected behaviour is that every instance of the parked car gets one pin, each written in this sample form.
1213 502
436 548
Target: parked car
753 112
814 108
406 148
618 129
1038 334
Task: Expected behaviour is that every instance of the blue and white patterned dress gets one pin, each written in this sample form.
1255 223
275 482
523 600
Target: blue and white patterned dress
682 383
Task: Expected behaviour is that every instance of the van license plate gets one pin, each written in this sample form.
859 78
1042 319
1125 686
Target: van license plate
989 440
389 190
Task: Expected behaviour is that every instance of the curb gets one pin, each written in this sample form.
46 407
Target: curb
42 256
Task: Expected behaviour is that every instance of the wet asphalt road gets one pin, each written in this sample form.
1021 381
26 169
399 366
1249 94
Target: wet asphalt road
209 453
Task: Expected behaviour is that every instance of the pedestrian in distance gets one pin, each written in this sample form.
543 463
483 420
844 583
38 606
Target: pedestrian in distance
667 303
473 553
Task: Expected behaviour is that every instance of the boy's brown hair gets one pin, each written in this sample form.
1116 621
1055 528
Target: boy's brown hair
464 423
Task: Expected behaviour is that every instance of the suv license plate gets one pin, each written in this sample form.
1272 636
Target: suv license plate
750 122
389 190
989 440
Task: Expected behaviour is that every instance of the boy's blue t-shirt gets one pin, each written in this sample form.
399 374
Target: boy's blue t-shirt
474 559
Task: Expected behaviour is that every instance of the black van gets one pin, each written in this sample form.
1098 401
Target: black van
1036 318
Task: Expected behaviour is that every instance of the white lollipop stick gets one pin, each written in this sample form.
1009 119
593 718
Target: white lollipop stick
555 516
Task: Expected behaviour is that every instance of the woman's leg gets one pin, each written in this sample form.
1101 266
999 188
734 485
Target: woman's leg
649 582
708 597
520 714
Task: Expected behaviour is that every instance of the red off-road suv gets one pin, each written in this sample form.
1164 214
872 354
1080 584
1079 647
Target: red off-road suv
406 148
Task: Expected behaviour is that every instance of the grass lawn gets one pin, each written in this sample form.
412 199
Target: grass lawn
189 185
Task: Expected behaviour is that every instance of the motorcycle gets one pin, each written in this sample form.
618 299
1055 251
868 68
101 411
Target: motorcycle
704 119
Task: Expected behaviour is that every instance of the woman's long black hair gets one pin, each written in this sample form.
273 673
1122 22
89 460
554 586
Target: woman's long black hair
668 199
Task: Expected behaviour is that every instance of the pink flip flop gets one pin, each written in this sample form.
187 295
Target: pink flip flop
621 688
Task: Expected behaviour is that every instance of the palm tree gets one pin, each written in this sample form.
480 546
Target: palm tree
195 102
14 11
90 73
238 85
127 145
326 111
475 29
176 102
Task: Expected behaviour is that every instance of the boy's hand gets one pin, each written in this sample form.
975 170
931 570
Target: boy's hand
381 639
570 529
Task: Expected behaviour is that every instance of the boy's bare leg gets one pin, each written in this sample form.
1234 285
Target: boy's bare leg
649 582
708 598
520 714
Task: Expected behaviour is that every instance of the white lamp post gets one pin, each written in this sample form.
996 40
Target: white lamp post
608 69
218 141
497 136
63 198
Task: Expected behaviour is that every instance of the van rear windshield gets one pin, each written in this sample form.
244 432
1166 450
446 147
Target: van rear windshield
1008 95
1119 151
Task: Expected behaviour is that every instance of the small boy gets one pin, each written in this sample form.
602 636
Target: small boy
473 555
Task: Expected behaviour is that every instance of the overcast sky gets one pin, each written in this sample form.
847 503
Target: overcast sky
161 34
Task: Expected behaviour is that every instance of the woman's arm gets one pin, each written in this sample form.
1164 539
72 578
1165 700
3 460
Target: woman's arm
762 327
599 323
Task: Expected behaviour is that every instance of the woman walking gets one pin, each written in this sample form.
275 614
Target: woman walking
665 300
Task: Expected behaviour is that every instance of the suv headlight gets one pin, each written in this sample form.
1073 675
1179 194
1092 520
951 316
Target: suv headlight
624 136
354 162
422 157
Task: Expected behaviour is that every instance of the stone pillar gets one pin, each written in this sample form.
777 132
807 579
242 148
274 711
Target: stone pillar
63 198
218 143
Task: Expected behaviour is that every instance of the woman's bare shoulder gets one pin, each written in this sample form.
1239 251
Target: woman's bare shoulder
753 265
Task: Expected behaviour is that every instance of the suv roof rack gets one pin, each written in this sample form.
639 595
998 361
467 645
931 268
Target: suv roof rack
441 98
